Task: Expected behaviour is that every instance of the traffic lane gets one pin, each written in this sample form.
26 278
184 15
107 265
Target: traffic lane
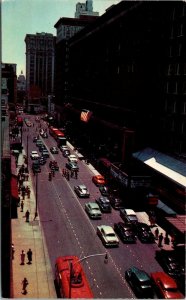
110 285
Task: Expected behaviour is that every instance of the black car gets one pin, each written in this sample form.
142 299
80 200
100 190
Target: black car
140 282
66 153
72 166
41 148
54 150
125 232
45 153
104 204
169 263
116 202
42 160
36 166
144 233
104 190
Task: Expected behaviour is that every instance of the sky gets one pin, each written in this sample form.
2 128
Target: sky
21 17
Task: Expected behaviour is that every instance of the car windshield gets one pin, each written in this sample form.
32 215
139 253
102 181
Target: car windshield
111 234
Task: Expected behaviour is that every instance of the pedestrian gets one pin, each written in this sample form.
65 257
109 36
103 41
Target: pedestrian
18 202
156 232
76 174
28 193
29 256
13 251
160 239
22 205
63 172
72 173
68 176
26 177
27 214
23 194
166 239
22 257
24 284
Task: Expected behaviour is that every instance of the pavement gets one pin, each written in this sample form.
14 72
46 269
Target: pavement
27 235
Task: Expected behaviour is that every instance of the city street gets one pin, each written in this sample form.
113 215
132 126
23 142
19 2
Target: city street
69 231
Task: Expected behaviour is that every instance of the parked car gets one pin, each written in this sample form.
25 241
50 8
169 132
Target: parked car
45 153
125 232
104 204
116 202
72 166
104 190
93 210
82 191
129 216
140 282
54 150
107 236
66 153
144 233
99 180
169 263
165 286
36 167
72 158
63 148
34 155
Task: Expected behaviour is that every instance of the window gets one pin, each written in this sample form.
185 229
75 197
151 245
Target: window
178 69
184 87
179 49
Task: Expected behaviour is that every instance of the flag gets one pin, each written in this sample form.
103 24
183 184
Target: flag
85 115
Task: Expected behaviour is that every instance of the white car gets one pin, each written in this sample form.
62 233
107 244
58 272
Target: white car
108 236
72 158
34 155
129 215
82 191
93 210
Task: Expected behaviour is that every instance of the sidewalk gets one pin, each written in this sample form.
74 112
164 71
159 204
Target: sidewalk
29 235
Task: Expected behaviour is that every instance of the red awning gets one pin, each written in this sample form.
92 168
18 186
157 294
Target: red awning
14 188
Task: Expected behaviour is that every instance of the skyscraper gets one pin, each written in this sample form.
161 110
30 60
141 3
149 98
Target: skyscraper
39 64
85 9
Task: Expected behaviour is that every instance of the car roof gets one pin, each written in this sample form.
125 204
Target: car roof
141 274
82 186
93 205
130 211
104 199
166 280
108 229
34 151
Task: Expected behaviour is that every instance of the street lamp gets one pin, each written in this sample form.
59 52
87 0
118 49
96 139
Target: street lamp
85 257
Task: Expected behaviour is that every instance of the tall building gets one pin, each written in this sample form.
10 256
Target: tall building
21 88
85 9
8 86
40 49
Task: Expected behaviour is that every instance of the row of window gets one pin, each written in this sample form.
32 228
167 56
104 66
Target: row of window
174 87
177 69
173 106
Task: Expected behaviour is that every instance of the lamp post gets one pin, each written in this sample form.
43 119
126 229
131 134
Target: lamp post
85 257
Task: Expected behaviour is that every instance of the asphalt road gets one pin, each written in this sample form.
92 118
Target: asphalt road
69 231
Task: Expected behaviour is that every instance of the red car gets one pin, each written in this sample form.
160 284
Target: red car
99 180
166 286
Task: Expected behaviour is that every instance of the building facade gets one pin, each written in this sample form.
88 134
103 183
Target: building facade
128 68
85 9
8 86
65 29
21 88
40 50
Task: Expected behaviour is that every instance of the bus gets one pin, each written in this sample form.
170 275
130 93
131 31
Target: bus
58 135
70 278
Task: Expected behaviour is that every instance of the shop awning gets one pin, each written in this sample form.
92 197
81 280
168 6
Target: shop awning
14 188
165 208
